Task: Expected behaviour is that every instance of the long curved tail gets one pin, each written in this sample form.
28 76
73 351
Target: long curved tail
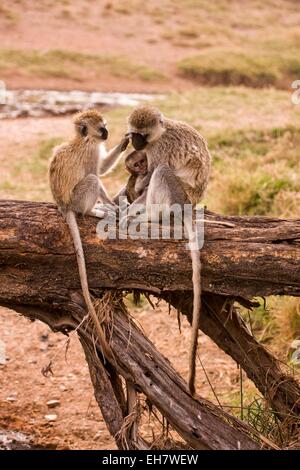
74 230
196 266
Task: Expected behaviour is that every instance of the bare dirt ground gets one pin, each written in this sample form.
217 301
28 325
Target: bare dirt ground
157 34
25 391
96 27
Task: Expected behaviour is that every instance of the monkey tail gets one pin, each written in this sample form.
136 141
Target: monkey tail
196 266
74 230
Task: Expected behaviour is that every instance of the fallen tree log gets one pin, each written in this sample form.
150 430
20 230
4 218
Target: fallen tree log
257 256
200 423
223 324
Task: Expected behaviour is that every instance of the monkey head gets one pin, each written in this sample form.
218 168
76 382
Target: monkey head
145 125
90 124
136 163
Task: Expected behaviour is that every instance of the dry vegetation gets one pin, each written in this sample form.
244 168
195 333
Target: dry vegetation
59 63
253 134
211 43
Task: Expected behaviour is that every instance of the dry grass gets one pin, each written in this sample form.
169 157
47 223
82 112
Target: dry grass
10 15
59 63
243 67
256 172
211 42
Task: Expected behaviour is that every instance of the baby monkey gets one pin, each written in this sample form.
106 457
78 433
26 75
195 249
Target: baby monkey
137 166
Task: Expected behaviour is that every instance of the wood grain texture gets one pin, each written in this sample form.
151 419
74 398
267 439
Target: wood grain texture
258 256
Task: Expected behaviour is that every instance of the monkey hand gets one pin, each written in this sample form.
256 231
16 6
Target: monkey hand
124 143
107 208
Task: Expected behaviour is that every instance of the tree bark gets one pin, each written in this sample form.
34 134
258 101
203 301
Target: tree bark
221 322
258 256
200 423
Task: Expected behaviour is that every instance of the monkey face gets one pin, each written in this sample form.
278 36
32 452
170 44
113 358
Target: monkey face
141 166
91 124
136 163
146 125
139 141
103 133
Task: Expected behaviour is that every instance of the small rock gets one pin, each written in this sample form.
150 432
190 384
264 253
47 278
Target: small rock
44 337
2 353
11 399
53 403
97 435
50 418
32 361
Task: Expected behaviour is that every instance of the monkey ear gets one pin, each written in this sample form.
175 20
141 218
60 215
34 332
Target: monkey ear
83 129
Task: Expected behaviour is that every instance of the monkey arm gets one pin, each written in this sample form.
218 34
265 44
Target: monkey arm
109 159
142 183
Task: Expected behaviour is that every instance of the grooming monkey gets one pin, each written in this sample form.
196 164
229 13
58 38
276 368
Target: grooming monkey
179 164
76 187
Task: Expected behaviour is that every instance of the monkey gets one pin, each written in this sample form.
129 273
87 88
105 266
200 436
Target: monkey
76 187
179 163
137 167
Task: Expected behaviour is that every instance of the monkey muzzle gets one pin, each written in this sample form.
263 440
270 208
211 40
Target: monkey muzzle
104 133
139 141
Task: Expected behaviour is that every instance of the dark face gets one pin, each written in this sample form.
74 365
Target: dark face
103 133
139 141
97 130
141 166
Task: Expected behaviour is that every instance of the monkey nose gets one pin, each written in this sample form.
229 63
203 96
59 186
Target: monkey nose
138 141
104 133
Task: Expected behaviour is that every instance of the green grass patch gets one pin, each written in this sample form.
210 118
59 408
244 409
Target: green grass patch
249 68
58 63
256 172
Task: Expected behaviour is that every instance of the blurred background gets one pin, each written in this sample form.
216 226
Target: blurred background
227 68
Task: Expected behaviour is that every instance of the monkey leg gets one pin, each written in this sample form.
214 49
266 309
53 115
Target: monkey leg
121 194
165 188
85 195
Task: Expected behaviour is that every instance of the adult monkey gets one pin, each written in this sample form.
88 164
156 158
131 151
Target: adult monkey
74 181
179 161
